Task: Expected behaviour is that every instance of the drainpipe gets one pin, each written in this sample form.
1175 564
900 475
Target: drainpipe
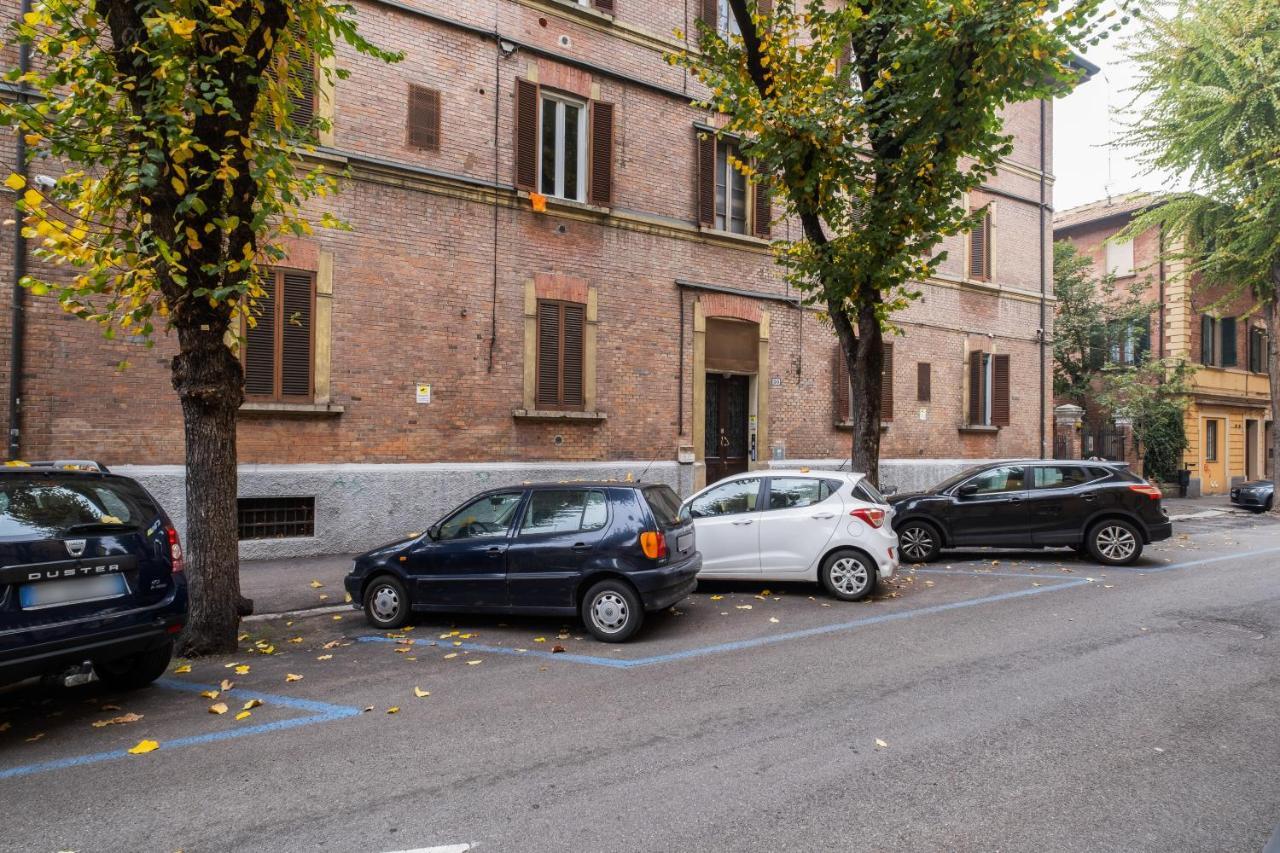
16 323
1160 336
1043 276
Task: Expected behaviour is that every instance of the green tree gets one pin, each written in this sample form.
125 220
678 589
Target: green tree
871 121
171 125
1208 110
1152 396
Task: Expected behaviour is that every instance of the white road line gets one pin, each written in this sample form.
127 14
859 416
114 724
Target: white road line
448 848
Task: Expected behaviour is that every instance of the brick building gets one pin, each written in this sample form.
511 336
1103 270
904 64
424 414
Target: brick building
458 336
1228 423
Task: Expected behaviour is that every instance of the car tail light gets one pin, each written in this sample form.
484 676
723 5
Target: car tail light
872 516
175 548
1148 490
654 544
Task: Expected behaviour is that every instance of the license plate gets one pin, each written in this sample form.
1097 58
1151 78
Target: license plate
684 543
34 596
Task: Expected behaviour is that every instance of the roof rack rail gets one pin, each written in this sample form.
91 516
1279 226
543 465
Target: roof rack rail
71 465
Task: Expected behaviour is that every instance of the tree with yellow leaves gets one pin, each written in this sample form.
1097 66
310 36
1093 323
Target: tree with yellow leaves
871 119
181 157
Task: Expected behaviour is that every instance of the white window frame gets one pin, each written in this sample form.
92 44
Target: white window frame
731 174
1120 259
558 103
726 23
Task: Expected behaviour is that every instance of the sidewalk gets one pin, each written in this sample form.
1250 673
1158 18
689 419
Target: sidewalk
279 586
1209 506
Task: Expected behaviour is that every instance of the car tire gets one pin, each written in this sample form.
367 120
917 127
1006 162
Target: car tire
919 542
848 575
612 611
1114 542
134 671
386 603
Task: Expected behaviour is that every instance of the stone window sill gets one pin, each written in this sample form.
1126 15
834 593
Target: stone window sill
555 203
576 8
557 415
291 409
732 236
981 429
848 425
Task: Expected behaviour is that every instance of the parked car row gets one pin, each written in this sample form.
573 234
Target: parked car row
91 567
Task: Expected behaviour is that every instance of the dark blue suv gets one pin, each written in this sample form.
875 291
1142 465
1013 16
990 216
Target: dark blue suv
90 569
606 552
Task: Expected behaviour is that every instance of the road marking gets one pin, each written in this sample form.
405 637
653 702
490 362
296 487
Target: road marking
447 848
633 663
1243 555
318 712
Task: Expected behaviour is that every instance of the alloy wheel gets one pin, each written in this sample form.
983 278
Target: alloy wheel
1115 542
916 542
849 575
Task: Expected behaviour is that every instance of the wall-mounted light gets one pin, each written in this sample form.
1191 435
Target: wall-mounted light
507 47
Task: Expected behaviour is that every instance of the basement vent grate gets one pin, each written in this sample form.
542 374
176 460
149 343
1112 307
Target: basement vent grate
276 518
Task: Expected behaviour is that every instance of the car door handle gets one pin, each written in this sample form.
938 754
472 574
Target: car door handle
747 521
1089 497
581 546
1015 500
825 515
495 550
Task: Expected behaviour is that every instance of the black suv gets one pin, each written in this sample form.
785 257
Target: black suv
1098 508
90 569
604 551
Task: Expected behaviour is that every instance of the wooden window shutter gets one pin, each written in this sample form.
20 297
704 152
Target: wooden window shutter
764 7
977 393
295 334
1000 390
571 355
424 118
980 250
604 5
709 11
601 153
886 385
842 408
260 343
526 135
548 395
763 213
924 382
706 179
304 99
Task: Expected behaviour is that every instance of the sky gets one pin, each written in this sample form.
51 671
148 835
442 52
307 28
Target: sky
1090 159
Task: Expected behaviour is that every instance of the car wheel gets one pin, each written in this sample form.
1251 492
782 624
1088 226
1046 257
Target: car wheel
919 542
386 604
1114 542
848 575
134 671
612 611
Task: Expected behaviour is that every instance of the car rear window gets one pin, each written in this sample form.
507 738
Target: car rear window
48 507
867 492
664 504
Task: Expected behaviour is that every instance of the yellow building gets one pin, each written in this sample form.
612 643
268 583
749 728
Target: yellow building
1221 333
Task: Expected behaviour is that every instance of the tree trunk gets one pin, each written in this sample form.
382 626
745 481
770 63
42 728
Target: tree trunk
1272 313
209 382
864 356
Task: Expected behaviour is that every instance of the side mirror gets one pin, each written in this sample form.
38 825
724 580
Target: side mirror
433 532
889 490
968 490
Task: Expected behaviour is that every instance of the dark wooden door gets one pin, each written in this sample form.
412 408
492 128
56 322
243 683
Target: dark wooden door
728 411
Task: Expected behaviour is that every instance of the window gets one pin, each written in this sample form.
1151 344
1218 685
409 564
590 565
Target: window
1061 476
278 343
864 491
726 200
664 504
486 516
276 518
560 354
728 499
1218 342
999 480
1258 356
302 95
980 249
1120 259
52 506
924 381
562 148
988 389
1229 344
423 118
726 23
799 492
844 386
565 511
1208 334
1211 440
1130 342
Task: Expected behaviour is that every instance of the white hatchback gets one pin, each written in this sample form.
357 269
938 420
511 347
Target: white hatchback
802 525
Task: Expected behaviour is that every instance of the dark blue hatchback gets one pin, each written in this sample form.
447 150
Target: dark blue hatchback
90 570
606 552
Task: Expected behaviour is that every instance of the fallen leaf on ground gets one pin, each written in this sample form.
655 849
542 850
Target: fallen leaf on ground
144 746
209 694
337 619
252 703
539 639
773 619
227 684
716 597
289 676
316 585
116 721
744 606
451 656
394 709
219 708
243 715
242 670
881 743
367 709
467 636
324 657
295 639
332 644
402 649
4 727
324 596
481 660
186 667
420 693
230 665
347 598
557 649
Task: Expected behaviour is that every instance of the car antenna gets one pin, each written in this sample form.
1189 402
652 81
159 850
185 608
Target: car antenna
844 463
646 469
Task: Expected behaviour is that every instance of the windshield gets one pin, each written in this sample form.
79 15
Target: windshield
665 505
48 507
958 478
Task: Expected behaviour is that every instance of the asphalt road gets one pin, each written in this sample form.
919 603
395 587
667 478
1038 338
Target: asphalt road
998 702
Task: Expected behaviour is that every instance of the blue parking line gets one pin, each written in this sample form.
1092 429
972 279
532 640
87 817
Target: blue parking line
1221 558
319 712
633 663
